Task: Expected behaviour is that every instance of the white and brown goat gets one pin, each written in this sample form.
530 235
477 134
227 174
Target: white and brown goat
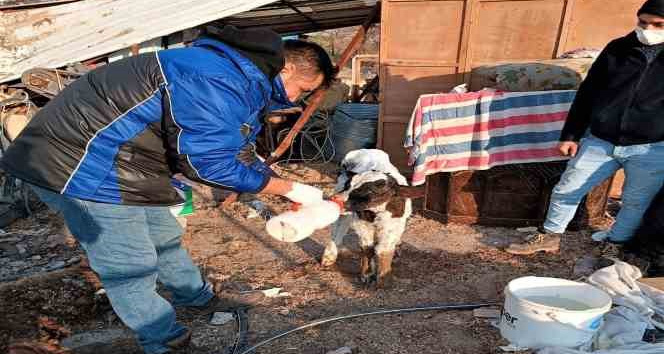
377 206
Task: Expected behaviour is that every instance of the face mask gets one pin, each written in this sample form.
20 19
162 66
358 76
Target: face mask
279 99
650 37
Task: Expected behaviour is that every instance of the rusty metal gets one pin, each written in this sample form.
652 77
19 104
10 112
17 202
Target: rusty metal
317 97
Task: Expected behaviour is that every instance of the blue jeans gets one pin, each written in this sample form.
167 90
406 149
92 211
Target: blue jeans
596 161
130 248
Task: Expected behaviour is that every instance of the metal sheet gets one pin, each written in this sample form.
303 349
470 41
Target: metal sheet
57 35
315 15
11 4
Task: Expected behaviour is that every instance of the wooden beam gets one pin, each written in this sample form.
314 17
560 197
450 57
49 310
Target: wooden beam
561 44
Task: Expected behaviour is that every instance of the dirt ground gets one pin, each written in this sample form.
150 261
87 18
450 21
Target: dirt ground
437 264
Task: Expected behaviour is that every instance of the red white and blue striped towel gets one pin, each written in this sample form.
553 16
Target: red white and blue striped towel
479 130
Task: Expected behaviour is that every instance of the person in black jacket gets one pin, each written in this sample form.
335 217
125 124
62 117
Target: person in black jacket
616 121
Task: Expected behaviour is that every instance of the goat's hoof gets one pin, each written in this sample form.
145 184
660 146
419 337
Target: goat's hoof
384 282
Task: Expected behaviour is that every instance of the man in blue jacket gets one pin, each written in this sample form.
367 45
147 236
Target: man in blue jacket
105 150
615 122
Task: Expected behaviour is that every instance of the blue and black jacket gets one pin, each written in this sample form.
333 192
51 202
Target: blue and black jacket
118 134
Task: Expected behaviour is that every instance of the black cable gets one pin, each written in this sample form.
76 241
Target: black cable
372 313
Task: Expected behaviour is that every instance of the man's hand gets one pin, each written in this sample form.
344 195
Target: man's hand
304 194
568 148
296 192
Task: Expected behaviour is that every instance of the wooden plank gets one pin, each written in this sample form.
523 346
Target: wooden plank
407 62
464 52
657 283
515 29
594 23
393 138
403 85
382 71
434 31
564 27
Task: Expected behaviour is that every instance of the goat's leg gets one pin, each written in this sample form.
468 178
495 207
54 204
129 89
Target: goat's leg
388 237
367 266
383 262
365 232
339 231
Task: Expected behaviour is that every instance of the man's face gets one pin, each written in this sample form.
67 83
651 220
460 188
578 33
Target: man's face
651 22
297 84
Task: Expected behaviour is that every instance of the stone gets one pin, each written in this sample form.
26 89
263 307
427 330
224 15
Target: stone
221 318
18 264
8 249
9 239
36 258
342 350
527 229
73 260
21 248
284 311
55 240
54 265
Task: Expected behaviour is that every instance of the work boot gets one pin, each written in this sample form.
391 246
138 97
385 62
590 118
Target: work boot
541 242
181 341
230 300
608 250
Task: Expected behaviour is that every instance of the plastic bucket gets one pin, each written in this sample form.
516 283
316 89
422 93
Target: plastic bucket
353 127
542 312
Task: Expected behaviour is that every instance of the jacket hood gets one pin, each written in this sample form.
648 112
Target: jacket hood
263 47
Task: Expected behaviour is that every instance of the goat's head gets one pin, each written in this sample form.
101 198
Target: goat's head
371 190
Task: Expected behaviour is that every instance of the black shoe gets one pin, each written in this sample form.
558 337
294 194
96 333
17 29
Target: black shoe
230 301
181 341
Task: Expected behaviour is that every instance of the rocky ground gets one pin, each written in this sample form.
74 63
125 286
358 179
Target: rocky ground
48 295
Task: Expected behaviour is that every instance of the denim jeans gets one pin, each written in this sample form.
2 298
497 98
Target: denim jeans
596 161
130 248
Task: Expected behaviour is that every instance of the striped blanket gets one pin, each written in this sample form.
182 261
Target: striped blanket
479 130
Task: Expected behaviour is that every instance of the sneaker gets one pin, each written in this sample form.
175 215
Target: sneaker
536 243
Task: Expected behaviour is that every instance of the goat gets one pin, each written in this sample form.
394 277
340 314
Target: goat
377 206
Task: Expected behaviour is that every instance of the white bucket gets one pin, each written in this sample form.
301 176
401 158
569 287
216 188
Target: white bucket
542 312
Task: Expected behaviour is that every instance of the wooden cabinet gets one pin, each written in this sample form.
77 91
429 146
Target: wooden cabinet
511 195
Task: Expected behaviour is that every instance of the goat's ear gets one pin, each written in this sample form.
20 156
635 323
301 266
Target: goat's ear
411 192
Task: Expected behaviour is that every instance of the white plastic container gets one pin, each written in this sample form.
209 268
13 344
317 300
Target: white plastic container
294 226
542 312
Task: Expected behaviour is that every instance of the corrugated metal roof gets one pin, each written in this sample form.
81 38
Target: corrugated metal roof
313 15
12 4
57 35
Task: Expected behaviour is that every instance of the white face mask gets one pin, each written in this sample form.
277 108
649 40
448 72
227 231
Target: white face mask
650 37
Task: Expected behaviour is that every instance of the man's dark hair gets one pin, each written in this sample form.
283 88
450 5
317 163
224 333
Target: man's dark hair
310 59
